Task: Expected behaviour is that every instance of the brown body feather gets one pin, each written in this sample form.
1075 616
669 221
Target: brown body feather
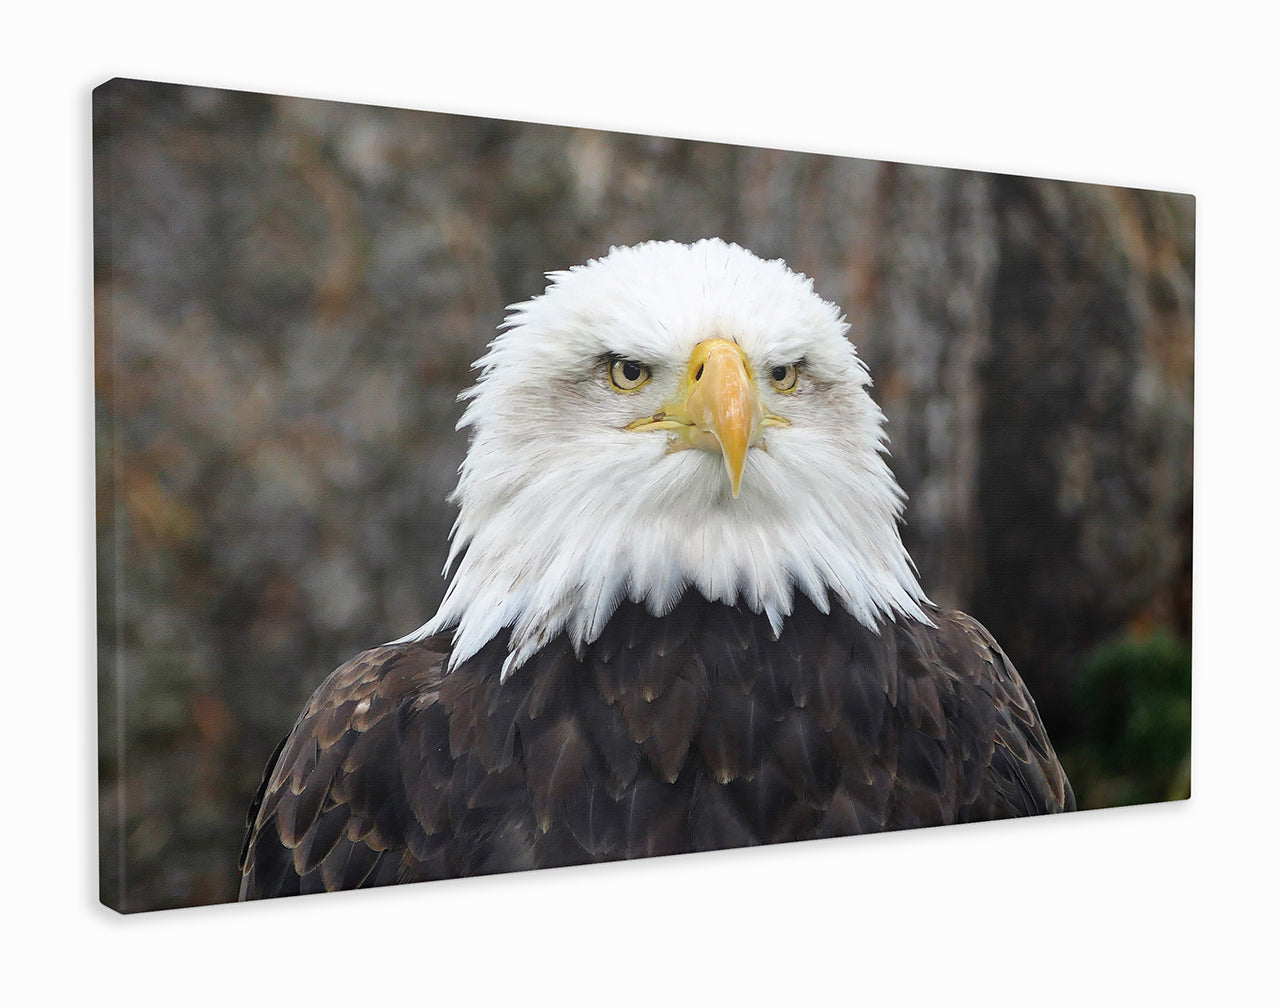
693 731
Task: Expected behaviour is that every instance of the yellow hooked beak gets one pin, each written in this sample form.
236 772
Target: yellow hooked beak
717 408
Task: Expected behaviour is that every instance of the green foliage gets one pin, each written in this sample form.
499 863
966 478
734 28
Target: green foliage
1133 696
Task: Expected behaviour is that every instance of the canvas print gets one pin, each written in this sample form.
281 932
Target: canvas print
479 496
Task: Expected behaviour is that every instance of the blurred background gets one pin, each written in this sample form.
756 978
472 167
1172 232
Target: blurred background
289 295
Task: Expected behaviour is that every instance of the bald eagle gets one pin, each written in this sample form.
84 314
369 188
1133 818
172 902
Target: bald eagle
680 617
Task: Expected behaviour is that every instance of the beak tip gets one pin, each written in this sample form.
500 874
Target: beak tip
735 483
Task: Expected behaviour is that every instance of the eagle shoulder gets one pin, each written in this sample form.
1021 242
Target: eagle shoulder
995 727
344 803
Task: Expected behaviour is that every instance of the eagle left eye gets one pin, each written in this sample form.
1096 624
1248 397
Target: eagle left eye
784 377
627 375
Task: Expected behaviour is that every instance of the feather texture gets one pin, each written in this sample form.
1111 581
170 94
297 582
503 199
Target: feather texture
913 724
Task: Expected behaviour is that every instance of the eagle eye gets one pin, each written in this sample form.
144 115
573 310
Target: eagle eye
784 377
627 375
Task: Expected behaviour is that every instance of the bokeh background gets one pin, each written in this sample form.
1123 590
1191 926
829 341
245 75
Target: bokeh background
289 295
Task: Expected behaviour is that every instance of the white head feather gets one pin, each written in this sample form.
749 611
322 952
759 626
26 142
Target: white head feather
564 512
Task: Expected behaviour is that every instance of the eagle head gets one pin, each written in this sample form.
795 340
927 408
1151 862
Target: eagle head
669 418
